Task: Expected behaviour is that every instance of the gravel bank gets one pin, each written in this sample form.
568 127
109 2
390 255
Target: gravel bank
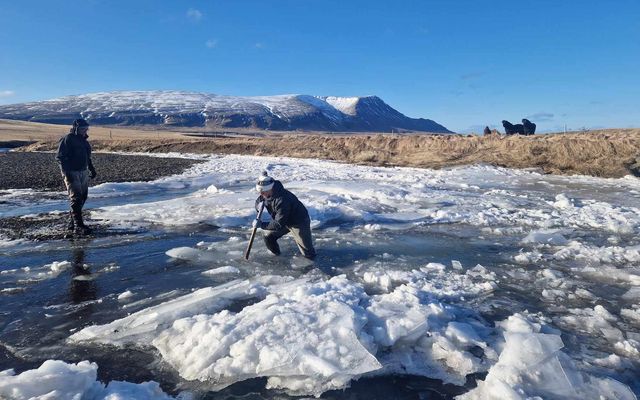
23 170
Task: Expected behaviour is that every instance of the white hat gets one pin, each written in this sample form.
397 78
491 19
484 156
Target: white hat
265 183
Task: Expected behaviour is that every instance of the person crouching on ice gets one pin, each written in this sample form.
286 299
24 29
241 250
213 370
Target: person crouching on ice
288 214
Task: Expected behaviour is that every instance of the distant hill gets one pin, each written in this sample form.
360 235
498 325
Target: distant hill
194 109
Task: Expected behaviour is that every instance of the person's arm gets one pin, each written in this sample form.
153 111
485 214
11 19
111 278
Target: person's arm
92 170
63 156
259 200
282 211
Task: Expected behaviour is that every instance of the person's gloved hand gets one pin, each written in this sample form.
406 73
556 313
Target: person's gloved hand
259 224
259 203
92 173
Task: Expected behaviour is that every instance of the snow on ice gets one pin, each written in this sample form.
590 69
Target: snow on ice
531 365
56 379
143 326
315 333
308 337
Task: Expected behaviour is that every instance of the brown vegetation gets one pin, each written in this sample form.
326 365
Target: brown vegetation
604 153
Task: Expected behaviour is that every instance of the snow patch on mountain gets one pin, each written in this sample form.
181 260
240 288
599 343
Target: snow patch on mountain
185 108
345 104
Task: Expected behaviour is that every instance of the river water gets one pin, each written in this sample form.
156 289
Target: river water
490 243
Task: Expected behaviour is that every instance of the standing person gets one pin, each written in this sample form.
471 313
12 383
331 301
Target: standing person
74 157
288 214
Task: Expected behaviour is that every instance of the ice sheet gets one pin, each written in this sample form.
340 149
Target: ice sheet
423 336
307 340
531 364
377 195
55 379
143 326
574 246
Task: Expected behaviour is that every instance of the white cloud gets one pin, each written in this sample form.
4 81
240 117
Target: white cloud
259 45
541 116
211 43
7 93
194 15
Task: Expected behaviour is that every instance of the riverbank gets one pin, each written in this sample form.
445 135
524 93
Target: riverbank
609 153
606 153
34 170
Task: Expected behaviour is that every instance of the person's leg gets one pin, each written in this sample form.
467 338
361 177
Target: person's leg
271 240
302 237
84 186
71 223
73 190
80 189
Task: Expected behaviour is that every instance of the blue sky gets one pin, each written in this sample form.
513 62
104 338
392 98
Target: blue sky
464 64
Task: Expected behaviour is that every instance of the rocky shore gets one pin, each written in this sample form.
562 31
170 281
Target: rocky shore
35 170
23 170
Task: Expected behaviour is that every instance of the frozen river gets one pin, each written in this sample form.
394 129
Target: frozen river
477 282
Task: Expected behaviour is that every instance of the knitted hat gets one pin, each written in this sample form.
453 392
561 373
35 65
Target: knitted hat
265 182
79 123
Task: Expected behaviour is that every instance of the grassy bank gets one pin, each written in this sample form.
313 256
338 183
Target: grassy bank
604 153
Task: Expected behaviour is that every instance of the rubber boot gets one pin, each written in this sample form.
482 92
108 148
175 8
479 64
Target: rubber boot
70 225
272 244
81 228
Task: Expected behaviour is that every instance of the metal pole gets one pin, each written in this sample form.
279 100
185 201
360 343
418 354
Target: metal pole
253 233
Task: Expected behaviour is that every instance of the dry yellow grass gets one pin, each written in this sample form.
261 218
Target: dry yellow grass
605 153
37 132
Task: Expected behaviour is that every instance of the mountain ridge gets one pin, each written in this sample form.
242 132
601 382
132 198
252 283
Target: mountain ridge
171 108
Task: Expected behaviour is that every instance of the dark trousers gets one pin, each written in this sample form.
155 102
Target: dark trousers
301 235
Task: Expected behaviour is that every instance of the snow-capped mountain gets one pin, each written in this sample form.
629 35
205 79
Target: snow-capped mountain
180 108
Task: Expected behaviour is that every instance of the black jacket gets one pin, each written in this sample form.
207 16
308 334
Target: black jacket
285 209
74 153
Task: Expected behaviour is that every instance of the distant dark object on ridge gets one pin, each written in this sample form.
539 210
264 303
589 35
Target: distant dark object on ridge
488 132
529 127
511 129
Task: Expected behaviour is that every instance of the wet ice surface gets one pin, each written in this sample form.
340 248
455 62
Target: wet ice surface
526 283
